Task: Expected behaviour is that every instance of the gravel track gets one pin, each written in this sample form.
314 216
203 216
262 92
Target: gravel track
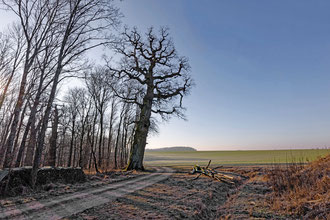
72 203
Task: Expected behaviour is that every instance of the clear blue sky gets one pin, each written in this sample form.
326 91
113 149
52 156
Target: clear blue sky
262 70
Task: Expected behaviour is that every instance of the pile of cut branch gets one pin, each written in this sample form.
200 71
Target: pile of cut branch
212 173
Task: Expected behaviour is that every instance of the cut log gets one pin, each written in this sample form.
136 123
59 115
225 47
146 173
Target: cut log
3 174
21 177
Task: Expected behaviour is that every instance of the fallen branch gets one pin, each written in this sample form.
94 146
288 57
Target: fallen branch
212 173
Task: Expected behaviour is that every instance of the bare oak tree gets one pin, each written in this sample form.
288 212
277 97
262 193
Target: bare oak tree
161 80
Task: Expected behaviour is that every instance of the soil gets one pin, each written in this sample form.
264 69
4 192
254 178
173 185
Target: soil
182 197
179 196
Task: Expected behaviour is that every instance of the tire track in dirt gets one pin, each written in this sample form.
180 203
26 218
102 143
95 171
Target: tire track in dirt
69 204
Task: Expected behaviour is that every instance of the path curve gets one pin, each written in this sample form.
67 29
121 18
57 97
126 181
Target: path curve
73 203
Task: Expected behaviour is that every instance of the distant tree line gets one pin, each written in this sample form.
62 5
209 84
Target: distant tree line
171 149
101 125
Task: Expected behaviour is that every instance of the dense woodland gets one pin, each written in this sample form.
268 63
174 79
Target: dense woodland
104 123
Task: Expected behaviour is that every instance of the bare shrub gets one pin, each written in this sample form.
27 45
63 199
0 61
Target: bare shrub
300 189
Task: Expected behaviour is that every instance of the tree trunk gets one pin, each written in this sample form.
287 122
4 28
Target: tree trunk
31 144
11 157
91 139
31 120
74 153
117 144
72 141
110 132
18 106
15 149
13 131
89 142
4 93
61 149
53 141
95 164
81 143
42 133
135 161
3 150
101 139
125 145
24 138
122 151
118 135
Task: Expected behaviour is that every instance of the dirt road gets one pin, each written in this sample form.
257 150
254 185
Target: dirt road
70 204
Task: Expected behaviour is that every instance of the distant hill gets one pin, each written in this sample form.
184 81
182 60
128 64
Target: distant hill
167 149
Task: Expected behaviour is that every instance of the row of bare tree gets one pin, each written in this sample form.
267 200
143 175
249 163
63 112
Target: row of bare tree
104 123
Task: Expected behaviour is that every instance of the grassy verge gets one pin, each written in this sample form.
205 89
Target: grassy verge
302 190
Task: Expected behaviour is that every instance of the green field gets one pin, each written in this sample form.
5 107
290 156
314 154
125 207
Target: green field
232 157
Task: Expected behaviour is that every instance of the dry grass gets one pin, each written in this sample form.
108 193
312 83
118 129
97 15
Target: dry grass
302 190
